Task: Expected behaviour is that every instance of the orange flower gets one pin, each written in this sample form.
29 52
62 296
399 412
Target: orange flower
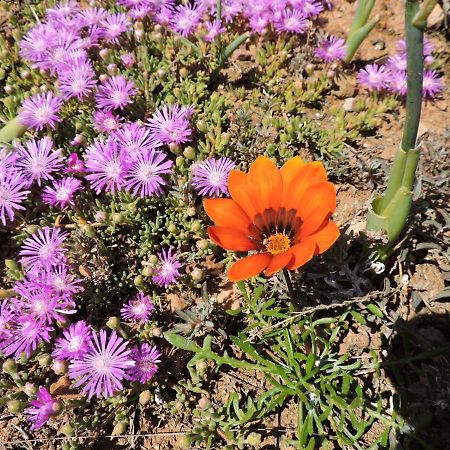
284 215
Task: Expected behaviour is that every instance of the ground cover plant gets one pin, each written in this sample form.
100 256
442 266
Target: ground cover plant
184 191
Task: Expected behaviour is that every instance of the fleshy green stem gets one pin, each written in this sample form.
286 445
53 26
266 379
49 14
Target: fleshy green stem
420 19
390 212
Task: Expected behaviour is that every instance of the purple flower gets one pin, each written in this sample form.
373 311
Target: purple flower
292 21
127 59
210 177
7 315
41 409
138 310
213 29
40 110
170 124
62 192
74 164
92 15
259 23
101 370
61 280
144 175
331 49
43 249
146 358
185 19
311 8
432 84
115 93
373 77
106 165
77 81
167 269
36 43
75 342
43 304
396 63
12 193
38 160
26 334
134 139
105 121
397 82
113 25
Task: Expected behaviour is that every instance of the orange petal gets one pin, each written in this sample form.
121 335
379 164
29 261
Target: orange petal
225 212
241 193
265 178
231 239
314 221
325 237
249 266
302 252
306 175
278 262
317 196
290 169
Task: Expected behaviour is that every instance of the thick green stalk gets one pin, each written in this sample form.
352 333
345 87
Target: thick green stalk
219 10
414 43
390 212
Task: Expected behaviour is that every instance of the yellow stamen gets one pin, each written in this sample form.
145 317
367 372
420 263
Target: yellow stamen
277 243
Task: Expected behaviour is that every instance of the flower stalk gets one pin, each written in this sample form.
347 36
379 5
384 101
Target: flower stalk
361 27
390 212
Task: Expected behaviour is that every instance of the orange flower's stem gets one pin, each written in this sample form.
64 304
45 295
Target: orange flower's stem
290 287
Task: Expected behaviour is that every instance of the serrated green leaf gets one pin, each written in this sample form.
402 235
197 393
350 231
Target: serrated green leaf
181 342
358 317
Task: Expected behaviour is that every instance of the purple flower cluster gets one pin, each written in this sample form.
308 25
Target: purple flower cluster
331 49
128 159
392 75
45 294
36 161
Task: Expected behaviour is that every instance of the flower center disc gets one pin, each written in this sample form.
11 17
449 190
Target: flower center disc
277 243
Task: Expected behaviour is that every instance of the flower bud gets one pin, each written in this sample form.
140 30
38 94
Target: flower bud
118 218
60 366
139 281
119 429
25 74
104 53
179 161
145 397
161 73
254 439
204 403
138 34
113 323
172 228
197 274
45 360
184 72
201 125
67 429
103 77
10 367
15 406
156 332
309 68
8 89
201 367
153 259
202 244
112 69
174 148
30 389
196 226
189 153
147 271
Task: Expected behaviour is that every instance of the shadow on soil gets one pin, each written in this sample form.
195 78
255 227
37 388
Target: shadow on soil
418 365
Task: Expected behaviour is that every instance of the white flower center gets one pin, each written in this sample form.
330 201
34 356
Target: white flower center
62 194
146 172
102 364
138 308
113 169
75 344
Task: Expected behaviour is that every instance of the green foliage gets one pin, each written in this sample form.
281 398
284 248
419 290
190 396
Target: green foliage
298 358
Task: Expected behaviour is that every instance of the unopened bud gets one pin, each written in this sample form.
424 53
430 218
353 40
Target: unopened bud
202 244
139 281
174 148
145 397
60 366
15 406
309 68
197 274
104 52
30 389
45 360
196 226
113 323
10 366
189 153
119 429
